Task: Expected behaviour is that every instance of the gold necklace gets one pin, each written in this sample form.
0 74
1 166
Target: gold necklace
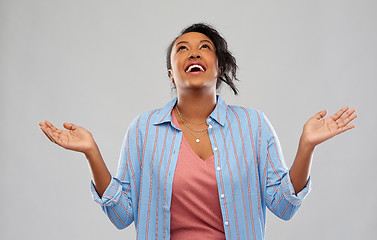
192 129
182 117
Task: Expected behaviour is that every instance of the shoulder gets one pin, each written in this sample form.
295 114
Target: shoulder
249 117
153 118
145 119
244 114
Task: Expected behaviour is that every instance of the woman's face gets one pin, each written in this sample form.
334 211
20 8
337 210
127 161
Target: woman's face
194 63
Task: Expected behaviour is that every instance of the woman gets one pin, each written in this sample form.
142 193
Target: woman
198 168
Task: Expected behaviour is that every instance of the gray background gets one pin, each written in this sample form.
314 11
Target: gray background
99 64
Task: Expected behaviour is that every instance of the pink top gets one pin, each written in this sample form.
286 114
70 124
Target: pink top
195 207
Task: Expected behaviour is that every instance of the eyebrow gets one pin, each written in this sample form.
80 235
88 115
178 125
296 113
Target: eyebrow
201 41
206 41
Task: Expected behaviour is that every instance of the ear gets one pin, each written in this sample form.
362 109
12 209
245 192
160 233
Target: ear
170 73
220 71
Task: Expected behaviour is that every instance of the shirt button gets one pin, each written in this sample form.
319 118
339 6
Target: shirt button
226 223
222 195
210 126
209 120
218 168
215 149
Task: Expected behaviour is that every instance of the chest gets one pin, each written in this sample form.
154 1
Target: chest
202 148
197 137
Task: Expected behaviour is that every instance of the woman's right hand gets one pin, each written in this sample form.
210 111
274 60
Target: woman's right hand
74 138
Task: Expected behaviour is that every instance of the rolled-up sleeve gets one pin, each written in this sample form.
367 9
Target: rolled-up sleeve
280 194
117 200
289 192
111 195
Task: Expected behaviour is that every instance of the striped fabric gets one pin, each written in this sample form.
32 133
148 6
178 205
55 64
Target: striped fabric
250 172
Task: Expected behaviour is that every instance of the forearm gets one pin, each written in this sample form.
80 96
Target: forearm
300 170
100 174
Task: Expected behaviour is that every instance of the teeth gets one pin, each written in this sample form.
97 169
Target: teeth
195 66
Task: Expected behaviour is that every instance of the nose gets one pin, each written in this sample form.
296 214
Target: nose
194 55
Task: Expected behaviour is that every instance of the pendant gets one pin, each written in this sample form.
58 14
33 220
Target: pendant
197 140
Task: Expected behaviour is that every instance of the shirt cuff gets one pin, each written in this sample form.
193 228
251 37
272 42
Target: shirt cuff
110 196
289 191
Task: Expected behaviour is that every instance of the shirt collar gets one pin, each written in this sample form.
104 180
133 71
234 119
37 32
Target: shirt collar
218 114
164 114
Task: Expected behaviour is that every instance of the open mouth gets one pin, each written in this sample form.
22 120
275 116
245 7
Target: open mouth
195 68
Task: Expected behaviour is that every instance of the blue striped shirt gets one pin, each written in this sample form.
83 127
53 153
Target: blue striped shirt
250 172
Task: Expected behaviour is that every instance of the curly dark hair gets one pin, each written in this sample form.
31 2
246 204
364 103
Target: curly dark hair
226 61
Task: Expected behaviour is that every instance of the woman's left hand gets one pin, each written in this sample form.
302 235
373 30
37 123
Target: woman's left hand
319 129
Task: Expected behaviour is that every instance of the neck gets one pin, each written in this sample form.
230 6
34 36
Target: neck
196 107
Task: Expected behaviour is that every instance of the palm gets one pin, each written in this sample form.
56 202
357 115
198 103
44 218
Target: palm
319 129
75 138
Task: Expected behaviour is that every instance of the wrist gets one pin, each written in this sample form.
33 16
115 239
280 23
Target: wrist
91 151
306 144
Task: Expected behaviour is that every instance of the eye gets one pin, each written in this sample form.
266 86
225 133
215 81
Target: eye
205 46
182 47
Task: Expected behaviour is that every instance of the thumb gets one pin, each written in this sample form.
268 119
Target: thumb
69 126
321 114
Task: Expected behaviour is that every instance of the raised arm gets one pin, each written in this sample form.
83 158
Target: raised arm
317 130
79 139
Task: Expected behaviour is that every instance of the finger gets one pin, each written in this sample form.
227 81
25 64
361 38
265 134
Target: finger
50 133
54 133
320 115
346 128
56 137
69 126
347 121
50 125
347 114
338 114
53 136
45 131
351 111
347 117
